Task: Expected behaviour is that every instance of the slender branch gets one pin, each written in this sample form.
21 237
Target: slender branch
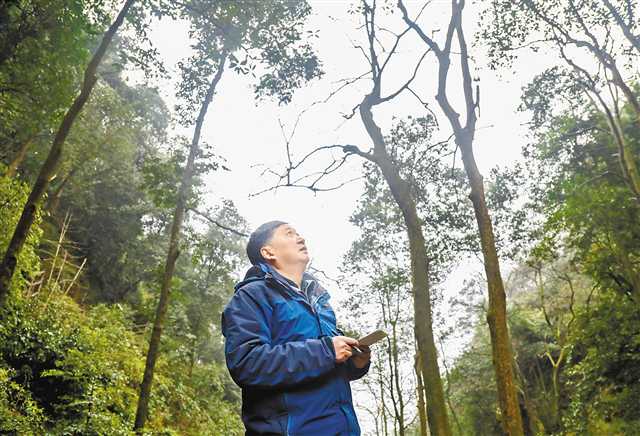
412 23
408 82
207 217
313 189
393 49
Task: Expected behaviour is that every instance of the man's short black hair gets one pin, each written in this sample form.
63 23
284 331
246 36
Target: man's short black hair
259 238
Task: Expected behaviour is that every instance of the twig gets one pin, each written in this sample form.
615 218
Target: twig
75 276
216 223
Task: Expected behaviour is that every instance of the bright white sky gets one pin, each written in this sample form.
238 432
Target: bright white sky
247 133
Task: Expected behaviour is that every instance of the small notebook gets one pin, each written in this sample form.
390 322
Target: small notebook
372 338
368 340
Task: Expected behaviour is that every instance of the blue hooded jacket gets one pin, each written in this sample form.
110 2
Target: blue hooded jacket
279 350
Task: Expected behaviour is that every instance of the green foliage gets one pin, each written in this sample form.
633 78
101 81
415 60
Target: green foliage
440 199
76 371
114 141
263 40
45 45
605 368
472 387
509 28
13 196
77 367
581 193
44 48
19 414
573 311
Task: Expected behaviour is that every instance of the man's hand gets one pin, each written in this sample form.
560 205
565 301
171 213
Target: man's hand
342 346
361 360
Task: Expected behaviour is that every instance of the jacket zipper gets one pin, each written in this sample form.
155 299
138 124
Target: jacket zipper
284 395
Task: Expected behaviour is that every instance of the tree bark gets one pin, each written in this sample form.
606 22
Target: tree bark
422 407
497 312
396 373
437 411
27 218
173 252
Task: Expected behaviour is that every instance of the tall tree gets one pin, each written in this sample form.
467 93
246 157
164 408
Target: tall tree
224 31
378 270
172 255
404 197
464 134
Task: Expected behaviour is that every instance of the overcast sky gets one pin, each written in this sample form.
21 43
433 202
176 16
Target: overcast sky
248 134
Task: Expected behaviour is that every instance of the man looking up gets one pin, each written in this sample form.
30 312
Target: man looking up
282 346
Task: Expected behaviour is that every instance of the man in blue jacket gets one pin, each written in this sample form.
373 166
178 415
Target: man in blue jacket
282 345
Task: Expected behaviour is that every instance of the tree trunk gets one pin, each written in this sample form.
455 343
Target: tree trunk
497 312
21 231
626 157
389 347
396 373
173 252
437 411
383 402
422 407
447 393
12 169
395 389
556 365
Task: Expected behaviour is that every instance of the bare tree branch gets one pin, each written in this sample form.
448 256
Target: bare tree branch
207 217
408 82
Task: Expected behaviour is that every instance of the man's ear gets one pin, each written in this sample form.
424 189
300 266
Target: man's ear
267 253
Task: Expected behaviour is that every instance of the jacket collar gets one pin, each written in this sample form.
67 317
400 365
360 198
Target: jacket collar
265 272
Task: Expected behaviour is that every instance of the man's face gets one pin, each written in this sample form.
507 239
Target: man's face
286 248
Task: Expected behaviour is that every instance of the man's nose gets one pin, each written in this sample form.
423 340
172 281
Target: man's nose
300 240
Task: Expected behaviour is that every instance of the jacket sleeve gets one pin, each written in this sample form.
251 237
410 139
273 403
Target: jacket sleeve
252 359
354 373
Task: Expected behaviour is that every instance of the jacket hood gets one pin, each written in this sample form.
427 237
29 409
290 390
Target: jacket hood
253 274
256 273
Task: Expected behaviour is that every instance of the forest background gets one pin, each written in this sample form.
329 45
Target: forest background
208 118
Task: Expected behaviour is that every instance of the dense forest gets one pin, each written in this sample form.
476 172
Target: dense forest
116 263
